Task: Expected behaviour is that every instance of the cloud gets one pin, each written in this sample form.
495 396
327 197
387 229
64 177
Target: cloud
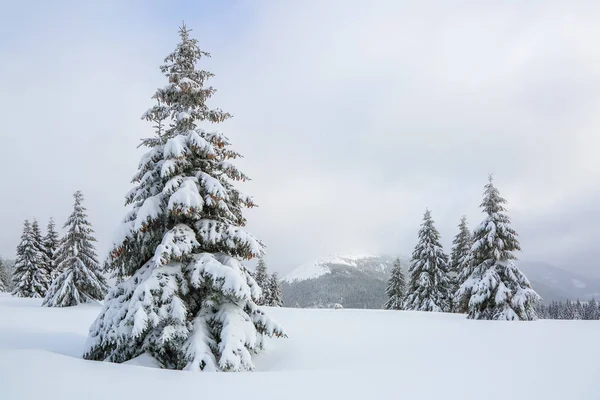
353 117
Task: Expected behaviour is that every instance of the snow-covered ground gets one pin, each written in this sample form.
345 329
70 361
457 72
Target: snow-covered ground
330 354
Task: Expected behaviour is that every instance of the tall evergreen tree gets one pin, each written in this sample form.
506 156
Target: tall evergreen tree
429 284
396 288
497 289
51 242
262 280
79 279
460 262
30 276
190 302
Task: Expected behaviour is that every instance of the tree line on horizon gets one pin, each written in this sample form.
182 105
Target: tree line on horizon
571 310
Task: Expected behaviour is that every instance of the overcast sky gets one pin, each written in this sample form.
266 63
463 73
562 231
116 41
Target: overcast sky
353 116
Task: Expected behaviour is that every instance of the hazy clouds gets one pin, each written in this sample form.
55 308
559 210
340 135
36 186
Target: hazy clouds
352 117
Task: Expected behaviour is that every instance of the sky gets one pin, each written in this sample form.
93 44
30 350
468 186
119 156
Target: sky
352 116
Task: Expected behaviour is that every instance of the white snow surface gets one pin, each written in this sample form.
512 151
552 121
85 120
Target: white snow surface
316 268
330 354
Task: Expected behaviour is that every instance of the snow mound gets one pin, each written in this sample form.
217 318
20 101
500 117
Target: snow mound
317 268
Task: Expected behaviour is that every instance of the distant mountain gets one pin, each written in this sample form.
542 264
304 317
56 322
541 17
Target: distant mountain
359 281
354 281
553 283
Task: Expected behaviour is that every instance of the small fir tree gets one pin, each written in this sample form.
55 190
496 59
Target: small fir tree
568 310
51 242
460 262
497 289
542 311
577 310
79 279
190 303
591 310
30 276
396 288
3 276
429 284
262 280
275 291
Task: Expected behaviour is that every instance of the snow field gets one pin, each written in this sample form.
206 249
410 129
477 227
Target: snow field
330 354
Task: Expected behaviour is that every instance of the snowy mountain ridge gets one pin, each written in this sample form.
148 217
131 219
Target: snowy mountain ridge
316 268
352 280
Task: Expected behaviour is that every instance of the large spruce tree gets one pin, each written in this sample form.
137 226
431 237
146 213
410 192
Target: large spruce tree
30 276
51 242
429 284
460 262
79 279
496 289
190 303
396 288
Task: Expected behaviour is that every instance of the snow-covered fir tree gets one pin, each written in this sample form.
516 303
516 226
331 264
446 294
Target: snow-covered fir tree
496 289
396 288
51 242
79 279
3 276
190 303
576 309
262 280
429 286
6 274
30 276
275 298
568 311
591 310
460 262
38 242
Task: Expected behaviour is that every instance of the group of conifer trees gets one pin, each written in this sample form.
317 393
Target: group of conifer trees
183 295
64 272
479 278
272 292
35 265
570 310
